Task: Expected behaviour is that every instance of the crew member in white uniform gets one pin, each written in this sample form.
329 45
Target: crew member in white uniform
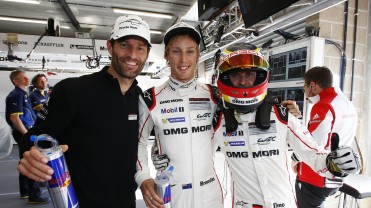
181 112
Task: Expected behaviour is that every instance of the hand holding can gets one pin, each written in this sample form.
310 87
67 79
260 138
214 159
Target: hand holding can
60 185
163 188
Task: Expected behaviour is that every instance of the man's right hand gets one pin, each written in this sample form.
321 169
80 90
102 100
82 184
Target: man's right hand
150 197
34 165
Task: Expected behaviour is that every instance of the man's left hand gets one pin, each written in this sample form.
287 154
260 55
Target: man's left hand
343 161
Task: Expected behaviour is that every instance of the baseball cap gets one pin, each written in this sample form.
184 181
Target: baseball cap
182 28
131 25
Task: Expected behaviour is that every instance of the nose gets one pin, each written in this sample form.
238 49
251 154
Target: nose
244 80
131 52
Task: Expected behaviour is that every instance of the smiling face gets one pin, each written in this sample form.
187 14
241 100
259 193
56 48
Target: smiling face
182 53
128 56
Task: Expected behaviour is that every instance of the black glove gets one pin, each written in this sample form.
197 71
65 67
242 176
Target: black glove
342 161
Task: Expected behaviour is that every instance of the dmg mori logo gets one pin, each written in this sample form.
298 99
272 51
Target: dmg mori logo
183 130
238 154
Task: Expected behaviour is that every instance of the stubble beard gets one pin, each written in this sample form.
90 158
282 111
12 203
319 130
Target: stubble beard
120 70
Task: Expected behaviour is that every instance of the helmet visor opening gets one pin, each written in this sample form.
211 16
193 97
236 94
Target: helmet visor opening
243 60
244 78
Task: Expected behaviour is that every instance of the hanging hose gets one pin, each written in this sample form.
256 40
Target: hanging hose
37 42
343 67
354 48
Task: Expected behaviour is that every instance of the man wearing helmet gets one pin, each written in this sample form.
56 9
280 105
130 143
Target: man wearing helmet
256 147
181 112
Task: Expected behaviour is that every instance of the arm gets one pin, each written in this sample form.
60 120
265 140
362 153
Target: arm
38 107
309 151
17 123
54 121
142 176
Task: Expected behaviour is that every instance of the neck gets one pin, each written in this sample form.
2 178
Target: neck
124 82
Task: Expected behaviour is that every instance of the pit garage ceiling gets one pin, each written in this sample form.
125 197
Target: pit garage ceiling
93 16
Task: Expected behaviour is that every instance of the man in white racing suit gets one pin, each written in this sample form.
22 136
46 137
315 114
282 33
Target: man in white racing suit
181 112
257 150
254 134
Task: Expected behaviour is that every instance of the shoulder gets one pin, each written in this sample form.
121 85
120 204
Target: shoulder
15 94
217 120
281 112
149 97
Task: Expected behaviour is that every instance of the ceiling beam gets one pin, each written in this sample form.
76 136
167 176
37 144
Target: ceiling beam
283 21
69 13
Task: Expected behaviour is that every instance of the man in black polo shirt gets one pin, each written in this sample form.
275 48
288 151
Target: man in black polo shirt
97 117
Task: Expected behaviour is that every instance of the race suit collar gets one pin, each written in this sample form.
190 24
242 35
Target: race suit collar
324 93
181 88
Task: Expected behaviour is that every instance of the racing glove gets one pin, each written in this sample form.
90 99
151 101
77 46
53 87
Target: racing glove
161 162
342 161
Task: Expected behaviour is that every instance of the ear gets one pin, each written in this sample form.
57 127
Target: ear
109 47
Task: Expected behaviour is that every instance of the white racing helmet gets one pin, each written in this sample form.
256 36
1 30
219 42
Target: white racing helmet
242 57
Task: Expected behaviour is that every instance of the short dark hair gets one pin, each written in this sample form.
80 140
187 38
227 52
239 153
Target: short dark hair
36 77
14 74
320 75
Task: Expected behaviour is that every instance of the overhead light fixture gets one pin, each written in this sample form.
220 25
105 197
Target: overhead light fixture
142 13
25 1
155 32
65 27
16 19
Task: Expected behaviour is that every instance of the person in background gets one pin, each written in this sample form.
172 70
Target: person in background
96 115
180 111
21 117
332 116
6 138
40 95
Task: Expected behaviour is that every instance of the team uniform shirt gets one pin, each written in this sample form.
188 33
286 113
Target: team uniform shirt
100 126
17 102
259 160
331 113
38 98
181 115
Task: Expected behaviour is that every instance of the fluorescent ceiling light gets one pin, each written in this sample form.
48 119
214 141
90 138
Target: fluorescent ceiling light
15 19
65 27
25 1
142 13
155 32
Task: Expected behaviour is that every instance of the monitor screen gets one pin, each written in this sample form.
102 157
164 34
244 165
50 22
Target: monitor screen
254 11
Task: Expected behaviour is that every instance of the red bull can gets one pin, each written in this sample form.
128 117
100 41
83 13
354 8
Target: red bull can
60 186
163 189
